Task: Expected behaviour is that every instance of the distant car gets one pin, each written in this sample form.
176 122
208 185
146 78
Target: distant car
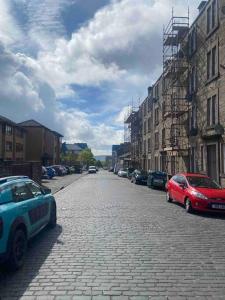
44 173
50 172
139 177
26 208
122 173
157 179
196 192
92 169
129 172
78 169
60 170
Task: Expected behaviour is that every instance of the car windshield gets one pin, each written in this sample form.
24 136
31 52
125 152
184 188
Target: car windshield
141 173
203 182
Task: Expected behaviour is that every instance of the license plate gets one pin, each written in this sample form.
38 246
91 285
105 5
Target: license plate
158 180
218 206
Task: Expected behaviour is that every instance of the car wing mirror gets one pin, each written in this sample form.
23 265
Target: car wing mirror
182 185
46 191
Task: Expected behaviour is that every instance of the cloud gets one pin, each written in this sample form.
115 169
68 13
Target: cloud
120 47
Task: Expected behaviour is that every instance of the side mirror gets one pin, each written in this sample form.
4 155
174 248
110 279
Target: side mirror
46 191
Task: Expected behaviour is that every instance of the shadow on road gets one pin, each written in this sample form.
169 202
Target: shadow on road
211 215
39 249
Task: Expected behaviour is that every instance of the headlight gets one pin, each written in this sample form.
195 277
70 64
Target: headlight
199 195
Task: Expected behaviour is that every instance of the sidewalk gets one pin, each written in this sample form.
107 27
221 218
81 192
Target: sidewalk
59 182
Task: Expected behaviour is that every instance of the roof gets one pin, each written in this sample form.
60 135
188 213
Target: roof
73 147
33 123
193 174
10 122
82 145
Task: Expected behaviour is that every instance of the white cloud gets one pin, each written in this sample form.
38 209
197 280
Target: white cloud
9 31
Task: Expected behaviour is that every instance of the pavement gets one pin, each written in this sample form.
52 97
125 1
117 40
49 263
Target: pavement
119 241
58 183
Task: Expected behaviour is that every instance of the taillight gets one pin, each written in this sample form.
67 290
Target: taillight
1 227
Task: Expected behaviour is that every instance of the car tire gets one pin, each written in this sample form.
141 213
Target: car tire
188 206
53 216
17 249
168 197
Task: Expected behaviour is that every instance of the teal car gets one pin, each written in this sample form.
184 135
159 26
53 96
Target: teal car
25 209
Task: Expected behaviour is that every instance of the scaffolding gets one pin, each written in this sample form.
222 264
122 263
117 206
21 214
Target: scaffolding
175 87
132 133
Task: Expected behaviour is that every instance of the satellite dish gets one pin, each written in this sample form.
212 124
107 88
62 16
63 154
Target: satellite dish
223 9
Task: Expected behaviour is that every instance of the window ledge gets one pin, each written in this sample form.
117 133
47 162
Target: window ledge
211 79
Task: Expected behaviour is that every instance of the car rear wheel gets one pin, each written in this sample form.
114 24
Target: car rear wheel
188 206
18 249
168 197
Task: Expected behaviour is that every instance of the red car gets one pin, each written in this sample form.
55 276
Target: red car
196 192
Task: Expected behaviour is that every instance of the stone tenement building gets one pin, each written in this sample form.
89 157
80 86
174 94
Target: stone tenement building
181 122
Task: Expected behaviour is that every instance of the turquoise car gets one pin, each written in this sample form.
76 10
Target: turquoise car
25 209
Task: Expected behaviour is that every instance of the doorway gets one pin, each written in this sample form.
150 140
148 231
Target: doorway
212 166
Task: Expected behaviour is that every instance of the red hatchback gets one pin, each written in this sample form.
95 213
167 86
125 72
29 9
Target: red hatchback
196 192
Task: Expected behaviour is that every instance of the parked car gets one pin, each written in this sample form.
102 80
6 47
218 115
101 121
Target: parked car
122 173
139 177
50 172
92 169
67 168
44 173
60 170
78 169
196 192
129 172
26 208
157 179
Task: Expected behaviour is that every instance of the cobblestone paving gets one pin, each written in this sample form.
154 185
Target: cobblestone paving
119 241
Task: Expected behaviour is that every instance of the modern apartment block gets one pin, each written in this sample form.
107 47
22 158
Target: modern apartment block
43 144
181 122
12 141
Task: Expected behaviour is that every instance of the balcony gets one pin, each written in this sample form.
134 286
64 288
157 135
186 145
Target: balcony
214 131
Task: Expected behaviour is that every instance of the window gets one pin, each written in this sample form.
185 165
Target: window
149 145
163 163
208 65
157 91
212 17
149 124
212 111
8 130
20 192
212 63
156 116
8 146
208 19
145 127
194 117
192 158
144 147
156 163
173 165
156 140
163 137
35 190
193 81
202 157
192 41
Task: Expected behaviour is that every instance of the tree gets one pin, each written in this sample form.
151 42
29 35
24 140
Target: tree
99 164
87 157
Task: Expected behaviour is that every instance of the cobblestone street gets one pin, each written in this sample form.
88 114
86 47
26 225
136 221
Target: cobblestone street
119 241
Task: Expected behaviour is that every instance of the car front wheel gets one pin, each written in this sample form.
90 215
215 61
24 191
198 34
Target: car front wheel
18 249
188 206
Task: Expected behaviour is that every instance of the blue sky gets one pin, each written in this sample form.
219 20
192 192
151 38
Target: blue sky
76 65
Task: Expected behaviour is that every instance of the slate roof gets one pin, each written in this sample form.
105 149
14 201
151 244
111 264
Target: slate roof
33 123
